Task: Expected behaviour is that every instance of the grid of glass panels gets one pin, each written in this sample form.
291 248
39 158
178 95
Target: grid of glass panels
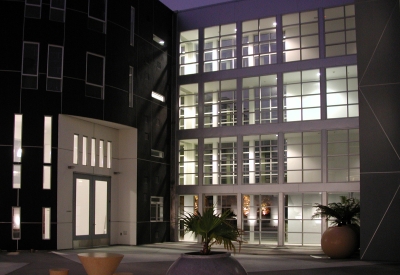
343 155
303 157
260 100
301 95
300 36
220 48
342 91
221 203
259 42
260 159
188 162
220 103
188 106
340 31
260 219
187 204
220 161
300 228
189 52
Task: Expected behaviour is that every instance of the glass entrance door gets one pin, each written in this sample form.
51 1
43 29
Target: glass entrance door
91 211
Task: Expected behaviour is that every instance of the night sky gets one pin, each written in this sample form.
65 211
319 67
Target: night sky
176 5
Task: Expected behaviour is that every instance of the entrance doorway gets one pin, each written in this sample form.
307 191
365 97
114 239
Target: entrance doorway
91 211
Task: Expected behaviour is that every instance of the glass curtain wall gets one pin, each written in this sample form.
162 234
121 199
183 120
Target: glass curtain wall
260 219
259 42
189 52
188 162
260 159
188 106
220 161
220 103
342 92
260 100
300 228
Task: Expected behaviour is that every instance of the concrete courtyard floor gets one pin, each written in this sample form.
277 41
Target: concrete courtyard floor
155 259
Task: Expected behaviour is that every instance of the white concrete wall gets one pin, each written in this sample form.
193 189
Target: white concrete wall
122 173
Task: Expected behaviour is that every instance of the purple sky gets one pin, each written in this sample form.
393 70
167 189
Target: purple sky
188 4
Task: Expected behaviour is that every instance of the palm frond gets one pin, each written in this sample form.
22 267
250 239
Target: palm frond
347 211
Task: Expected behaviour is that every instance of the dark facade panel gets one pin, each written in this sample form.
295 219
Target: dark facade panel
378 41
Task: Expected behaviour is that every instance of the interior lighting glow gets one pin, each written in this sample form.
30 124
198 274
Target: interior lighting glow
157 96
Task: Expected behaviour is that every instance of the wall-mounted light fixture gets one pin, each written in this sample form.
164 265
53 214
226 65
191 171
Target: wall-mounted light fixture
117 173
71 167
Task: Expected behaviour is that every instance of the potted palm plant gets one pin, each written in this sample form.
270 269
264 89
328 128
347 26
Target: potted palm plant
213 229
340 240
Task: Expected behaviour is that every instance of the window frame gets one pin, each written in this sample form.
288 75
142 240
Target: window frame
62 68
28 75
95 84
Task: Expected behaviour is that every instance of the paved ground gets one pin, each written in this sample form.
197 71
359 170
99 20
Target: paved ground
155 259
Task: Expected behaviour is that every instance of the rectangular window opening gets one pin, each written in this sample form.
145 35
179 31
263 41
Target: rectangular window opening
101 153
156 209
47 177
157 154
132 38
109 152
47 140
75 150
95 75
131 86
30 65
33 8
16 223
57 10
55 57
84 150
46 223
93 153
157 96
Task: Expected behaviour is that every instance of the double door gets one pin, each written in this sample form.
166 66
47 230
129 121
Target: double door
91 211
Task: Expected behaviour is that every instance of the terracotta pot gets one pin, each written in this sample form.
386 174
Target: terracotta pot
216 264
339 242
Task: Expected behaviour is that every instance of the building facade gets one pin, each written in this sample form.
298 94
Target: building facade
278 109
85 113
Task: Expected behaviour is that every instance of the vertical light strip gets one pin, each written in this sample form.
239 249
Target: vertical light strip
93 153
46 177
46 223
47 140
84 150
16 223
109 152
132 40
75 150
101 153
17 176
17 138
130 87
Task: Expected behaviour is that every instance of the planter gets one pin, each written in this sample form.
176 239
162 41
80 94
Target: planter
339 242
216 264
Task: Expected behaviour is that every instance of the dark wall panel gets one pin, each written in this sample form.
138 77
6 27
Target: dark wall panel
378 58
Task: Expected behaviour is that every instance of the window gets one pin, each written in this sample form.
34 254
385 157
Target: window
300 36
30 65
260 219
93 153
220 161
156 209
303 157
16 223
75 150
46 223
130 87
57 10
33 8
158 96
259 100
157 154
300 228
222 203
260 159
187 204
109 152
95 75
188 162
220 103
84 150
101 153
97 15
47 153
343 155
188 106
340 31
189 52
259 42
342 92
220 48
17 155
55 68
132 37
301 95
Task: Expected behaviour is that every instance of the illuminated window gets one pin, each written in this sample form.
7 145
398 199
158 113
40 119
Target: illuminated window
188 106
156 209
189 52
188 162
